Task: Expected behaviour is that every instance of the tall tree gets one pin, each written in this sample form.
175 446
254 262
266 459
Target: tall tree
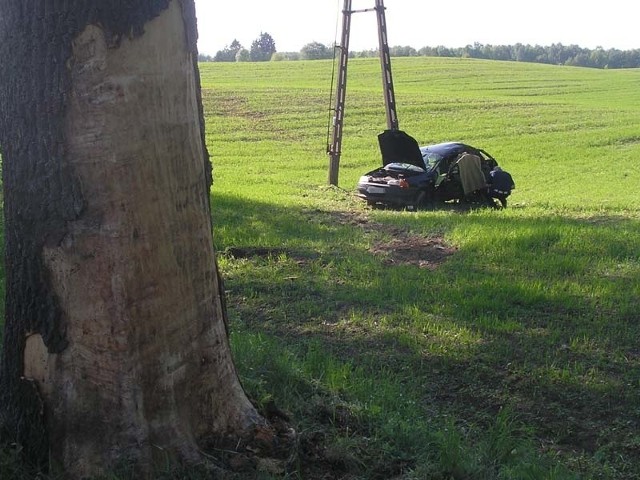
115 344
262 48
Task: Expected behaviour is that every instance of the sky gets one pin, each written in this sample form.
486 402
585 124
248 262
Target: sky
419 23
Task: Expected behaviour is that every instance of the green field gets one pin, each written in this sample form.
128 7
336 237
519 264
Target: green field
444 344
501 344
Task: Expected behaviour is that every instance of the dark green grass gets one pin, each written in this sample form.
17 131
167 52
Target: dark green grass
535 322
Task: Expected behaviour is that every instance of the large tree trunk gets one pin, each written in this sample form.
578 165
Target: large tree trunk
115 345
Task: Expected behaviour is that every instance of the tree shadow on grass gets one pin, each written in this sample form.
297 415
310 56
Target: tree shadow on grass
476 331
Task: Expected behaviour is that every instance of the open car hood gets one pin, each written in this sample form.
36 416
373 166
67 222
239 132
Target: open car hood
398 147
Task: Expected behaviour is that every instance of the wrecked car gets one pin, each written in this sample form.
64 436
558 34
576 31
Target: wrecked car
416 177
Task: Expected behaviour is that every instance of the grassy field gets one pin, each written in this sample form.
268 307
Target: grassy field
439 344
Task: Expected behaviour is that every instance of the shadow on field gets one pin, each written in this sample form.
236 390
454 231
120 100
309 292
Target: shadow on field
541 319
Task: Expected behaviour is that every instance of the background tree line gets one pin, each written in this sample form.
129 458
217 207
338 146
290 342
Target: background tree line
263 49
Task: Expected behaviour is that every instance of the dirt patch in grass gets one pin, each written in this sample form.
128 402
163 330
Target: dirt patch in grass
400 246
408 249
404 247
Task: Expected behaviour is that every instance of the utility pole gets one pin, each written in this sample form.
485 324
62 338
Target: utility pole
334 149
385 65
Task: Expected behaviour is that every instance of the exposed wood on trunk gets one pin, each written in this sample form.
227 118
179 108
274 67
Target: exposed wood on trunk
114 309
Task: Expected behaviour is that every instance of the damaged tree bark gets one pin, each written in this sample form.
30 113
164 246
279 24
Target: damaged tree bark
115 346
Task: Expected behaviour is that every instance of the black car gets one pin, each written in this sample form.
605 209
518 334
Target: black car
413 176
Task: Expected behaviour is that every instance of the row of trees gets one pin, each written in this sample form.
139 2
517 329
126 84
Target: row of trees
262 49
555 54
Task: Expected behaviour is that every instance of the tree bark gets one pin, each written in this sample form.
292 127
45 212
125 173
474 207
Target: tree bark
115 346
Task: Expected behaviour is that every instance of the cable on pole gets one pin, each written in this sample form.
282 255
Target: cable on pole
333 77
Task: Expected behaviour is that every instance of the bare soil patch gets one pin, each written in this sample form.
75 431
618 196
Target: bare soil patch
404 248
409 249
